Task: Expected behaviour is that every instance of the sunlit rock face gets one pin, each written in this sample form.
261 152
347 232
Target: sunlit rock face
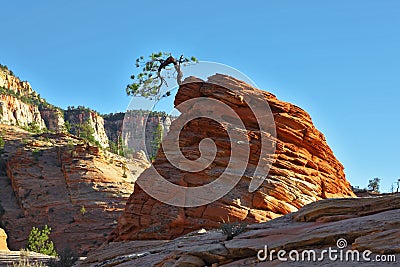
304 167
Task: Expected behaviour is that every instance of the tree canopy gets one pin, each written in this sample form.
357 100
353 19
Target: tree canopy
152 76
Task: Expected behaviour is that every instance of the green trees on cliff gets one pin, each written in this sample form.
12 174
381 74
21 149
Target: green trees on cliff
154 71
85 131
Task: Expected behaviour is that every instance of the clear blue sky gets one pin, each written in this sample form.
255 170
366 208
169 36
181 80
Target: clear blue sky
339 60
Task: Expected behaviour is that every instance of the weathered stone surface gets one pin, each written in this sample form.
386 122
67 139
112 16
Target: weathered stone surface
57 179
305 169
136 128
81 116
21 258
375 227
3 240
13 110
54 119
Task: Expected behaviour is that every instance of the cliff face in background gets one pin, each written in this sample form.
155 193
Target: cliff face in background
21 105
61 181
81 116
130 127
13 109
305 169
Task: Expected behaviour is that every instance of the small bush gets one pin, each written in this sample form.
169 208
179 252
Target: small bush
233 229
83 210
39 241
23 261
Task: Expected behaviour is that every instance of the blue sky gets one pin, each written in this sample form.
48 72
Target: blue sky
338 60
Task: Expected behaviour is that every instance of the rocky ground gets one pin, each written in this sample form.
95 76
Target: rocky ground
61 181
371 223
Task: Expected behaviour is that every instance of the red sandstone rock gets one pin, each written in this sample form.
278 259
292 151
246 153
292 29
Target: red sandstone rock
305 169
365 223
50 177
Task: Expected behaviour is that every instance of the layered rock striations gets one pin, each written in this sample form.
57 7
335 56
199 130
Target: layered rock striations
20 105
343 225
18 101
304 169
64 182
137 129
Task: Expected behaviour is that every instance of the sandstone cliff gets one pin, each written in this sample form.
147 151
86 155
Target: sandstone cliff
18 102
20 105
62 181
135 120
81 116
304 170
364 223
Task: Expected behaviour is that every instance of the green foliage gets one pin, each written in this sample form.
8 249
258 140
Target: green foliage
86 131
81 109
67 126
6 69
232 229
148 81
32 127
373 184
39 241
83 210
2 144
156 142
31 99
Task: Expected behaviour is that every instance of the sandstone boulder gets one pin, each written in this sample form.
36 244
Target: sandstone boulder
304 168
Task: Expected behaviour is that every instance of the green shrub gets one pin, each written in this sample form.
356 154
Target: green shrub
39 241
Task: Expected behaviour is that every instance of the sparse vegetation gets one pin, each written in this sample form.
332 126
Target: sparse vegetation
373 184
33 127
67 127
2 144
232 229
36 153
86 131
39 241
157 138
25 262
149 81
83 210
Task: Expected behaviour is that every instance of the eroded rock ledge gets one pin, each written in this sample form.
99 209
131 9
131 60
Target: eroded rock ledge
371 223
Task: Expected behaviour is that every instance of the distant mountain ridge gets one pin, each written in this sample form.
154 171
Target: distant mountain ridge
21 106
